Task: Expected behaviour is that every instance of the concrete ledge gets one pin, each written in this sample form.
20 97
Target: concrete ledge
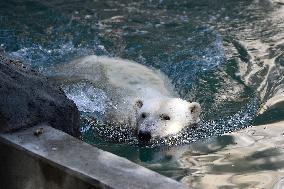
57 160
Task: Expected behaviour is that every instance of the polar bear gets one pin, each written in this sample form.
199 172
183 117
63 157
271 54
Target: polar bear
142 98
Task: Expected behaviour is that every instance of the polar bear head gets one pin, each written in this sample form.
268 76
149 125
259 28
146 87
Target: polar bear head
160 117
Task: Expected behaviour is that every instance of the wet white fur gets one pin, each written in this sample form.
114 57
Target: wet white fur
178 111
126 82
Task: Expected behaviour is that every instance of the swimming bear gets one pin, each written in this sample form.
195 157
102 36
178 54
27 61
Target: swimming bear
141 98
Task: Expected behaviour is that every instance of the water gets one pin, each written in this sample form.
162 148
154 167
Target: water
227 55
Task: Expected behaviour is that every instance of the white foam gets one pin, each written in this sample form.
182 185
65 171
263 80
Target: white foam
87 98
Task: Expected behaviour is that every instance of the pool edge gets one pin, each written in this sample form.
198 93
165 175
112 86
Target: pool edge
55 159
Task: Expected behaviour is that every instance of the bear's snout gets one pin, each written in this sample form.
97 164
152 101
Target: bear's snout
144 136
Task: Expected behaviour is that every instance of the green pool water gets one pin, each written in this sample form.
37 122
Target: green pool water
225 54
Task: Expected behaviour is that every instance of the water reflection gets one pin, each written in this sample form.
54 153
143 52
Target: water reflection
254 159
227 55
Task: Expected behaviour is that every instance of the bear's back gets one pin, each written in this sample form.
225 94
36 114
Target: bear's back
127 75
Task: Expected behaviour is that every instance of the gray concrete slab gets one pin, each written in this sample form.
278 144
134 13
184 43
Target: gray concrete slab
67 156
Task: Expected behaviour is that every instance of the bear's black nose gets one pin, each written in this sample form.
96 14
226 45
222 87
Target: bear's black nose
144 136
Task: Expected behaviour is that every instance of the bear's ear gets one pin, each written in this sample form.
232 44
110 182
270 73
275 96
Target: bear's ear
139 103
195 110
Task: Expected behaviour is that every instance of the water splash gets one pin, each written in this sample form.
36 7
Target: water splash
87 98
204 129
41 57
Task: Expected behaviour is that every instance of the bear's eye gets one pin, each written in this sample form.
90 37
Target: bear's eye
165 117
143 115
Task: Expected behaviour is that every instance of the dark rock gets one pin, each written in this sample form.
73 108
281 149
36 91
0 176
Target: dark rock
27 99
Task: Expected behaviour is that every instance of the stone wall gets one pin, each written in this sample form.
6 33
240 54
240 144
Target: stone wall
56 160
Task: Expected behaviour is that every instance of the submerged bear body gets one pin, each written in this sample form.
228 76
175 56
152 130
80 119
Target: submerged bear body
141 98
